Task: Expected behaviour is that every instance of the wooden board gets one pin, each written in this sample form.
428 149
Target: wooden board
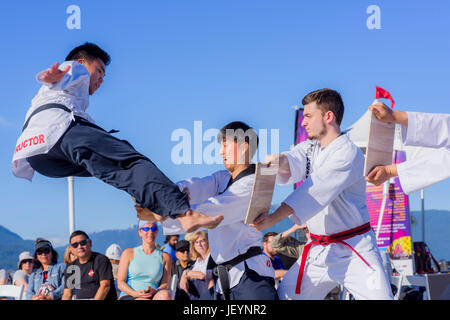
380 144
262 191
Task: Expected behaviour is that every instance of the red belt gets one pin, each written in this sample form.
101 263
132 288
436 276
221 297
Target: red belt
326 240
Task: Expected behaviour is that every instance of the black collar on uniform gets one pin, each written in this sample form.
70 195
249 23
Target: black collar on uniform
246 172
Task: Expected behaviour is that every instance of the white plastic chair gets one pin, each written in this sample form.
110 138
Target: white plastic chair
173 286
12 291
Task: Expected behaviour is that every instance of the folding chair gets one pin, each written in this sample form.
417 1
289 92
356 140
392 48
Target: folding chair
12 291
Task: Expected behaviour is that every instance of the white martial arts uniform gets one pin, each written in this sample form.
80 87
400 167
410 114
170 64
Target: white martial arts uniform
46 127
426 130
332 200
231 237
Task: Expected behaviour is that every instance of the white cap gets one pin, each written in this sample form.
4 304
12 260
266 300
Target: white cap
114 251
24 256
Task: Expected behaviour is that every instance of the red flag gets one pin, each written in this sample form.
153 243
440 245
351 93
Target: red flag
381 93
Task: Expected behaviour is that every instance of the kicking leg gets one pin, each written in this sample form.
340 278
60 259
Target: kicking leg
117 163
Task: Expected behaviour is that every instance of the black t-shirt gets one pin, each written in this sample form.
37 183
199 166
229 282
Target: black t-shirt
97 268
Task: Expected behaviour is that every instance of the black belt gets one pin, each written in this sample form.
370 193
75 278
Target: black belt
45 107
62 107
220 271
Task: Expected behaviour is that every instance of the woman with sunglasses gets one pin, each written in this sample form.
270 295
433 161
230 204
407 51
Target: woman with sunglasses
144 271
26 266
47 281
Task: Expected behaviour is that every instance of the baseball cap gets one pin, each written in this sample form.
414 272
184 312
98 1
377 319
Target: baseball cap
181 245
114 251
43 244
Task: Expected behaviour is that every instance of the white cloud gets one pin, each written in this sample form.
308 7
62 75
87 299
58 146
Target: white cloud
5 123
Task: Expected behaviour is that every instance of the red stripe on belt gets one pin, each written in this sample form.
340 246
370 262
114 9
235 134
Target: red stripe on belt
326 240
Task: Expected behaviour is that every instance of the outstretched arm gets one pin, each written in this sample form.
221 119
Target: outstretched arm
387 115
380 174
54 74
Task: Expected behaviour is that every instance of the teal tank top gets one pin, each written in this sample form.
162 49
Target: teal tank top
145 270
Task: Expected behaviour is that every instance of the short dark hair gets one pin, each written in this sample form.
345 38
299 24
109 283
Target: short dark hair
170 236
242 132
89 51
78 233
327 100
268 235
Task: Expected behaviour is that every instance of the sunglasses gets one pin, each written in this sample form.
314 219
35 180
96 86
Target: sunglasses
146 229
27 261
183 250
43 251
82 243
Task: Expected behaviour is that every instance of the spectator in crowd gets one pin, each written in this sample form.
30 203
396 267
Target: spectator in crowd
4 279
289 246
113 254
144 271
90 274
47 281
182 264
69 257
277 264
169 247
25 268
197 280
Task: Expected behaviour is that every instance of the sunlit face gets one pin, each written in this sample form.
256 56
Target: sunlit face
81 251
232 154
96 70
44 255
314 121
183 254
173 240
201 245
150 235
27 266
268 248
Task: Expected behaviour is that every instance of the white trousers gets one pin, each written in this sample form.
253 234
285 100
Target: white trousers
336 264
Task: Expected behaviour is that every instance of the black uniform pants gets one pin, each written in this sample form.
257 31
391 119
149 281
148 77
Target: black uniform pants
87 150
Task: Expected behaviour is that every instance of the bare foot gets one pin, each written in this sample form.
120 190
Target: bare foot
147 214
192 220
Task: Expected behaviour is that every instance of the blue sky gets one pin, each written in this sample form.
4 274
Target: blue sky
175 62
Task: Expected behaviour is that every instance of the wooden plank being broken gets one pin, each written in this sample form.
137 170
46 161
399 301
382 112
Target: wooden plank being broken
262 191
380 144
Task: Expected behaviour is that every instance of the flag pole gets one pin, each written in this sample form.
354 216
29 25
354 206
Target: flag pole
386 185
71 205
422 198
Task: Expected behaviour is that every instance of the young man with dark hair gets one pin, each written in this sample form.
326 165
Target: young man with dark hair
332 203
90 274
240 270
277 264
169 245
60 139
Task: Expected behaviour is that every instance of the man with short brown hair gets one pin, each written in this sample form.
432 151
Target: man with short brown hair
332 203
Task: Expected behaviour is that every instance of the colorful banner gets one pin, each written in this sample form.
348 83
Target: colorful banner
395 230
300 134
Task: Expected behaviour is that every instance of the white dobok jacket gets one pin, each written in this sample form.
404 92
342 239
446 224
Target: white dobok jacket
333 198
46 127
426 130
231 237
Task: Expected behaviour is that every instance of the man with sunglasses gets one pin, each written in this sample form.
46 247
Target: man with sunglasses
182 263
90 275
